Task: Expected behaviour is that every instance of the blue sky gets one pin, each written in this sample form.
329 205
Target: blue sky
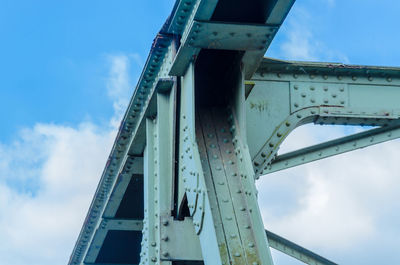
68 69
54 56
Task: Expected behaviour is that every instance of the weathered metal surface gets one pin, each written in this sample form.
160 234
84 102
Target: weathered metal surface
226 36
334 147
179 240
285 95
285 246
207 117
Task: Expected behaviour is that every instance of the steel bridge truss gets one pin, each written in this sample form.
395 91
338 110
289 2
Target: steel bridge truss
206 120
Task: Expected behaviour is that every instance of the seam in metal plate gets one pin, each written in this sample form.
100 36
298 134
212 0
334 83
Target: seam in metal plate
228 36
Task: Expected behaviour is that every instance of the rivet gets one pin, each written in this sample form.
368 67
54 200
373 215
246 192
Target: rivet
237 254
296 105
287 124
312 100
339 77
298 115
303 95
251 245
354 78
165 222
312 76
153 244
326 100
389 79
325 77
296 87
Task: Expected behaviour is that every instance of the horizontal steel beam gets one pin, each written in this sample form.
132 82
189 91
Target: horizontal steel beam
132 165
101 233
218 35
334 147
289 248
283 70
283 95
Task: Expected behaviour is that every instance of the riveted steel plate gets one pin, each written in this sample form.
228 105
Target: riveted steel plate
310 94
213 35
179 240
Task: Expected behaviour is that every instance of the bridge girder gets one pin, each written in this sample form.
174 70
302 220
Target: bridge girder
206 119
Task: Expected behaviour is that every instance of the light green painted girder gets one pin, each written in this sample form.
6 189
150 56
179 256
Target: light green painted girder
333 147
284 95
289 248
202 186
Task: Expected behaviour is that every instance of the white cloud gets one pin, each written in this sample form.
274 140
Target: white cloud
119 86
300 41
338 205
330 3
48 177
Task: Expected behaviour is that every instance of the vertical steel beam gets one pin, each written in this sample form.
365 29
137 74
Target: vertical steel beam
191 177
148 253
245 167
164 164
226 216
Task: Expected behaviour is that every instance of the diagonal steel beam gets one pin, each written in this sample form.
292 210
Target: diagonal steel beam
283 95
292 249
334 147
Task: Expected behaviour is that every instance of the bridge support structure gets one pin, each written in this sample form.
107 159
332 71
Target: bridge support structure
205 122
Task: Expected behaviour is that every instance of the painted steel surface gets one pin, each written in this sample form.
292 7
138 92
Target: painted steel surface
205 121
